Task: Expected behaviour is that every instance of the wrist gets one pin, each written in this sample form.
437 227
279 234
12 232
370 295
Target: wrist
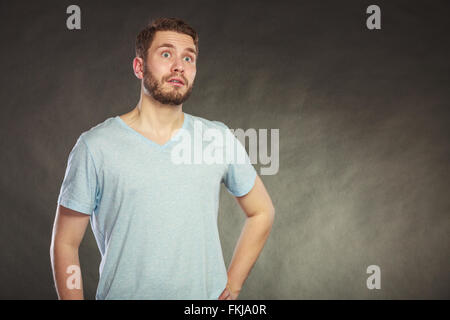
233 289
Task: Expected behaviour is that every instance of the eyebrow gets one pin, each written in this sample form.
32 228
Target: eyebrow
172 46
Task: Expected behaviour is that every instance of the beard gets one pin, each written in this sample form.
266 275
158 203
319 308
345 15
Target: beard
172 96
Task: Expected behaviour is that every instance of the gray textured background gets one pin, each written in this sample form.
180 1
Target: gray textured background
364 134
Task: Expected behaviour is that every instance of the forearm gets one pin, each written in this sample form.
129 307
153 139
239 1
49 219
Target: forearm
251 241
63 256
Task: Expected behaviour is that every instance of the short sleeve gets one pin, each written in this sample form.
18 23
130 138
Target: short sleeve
240 175
79 188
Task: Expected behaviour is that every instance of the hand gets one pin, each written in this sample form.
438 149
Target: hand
228 294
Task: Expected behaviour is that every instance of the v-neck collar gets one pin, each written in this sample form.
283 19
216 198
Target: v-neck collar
149 141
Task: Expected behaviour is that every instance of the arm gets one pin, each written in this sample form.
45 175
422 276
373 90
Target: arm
260 212
68 231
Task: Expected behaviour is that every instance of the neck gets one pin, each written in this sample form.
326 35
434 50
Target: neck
153 117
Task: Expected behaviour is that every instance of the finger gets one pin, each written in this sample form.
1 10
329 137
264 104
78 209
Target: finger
224 294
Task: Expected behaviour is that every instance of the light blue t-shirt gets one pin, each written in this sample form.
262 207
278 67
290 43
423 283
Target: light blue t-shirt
155 221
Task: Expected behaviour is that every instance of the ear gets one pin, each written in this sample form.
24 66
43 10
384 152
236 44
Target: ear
138 67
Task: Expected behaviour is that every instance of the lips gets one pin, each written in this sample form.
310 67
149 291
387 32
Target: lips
176 82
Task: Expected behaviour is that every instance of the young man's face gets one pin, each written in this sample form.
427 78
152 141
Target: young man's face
171 55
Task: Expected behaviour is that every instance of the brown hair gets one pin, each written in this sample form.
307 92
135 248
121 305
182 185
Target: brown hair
145 36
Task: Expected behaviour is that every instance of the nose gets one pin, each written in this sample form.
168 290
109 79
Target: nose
177 66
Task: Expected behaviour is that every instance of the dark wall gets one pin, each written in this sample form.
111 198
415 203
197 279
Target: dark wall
364 134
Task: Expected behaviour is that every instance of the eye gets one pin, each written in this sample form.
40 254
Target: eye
166 54
188 59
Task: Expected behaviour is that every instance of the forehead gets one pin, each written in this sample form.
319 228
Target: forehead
180 40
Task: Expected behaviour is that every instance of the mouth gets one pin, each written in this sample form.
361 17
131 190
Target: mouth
177 82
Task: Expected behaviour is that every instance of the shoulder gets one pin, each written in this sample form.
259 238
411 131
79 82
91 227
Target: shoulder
99 133
209 124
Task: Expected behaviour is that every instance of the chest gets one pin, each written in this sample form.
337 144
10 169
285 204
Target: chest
145 172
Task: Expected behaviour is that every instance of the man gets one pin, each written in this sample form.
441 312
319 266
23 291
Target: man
155 221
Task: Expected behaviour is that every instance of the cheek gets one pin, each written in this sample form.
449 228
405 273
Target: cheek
158 69
193 73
